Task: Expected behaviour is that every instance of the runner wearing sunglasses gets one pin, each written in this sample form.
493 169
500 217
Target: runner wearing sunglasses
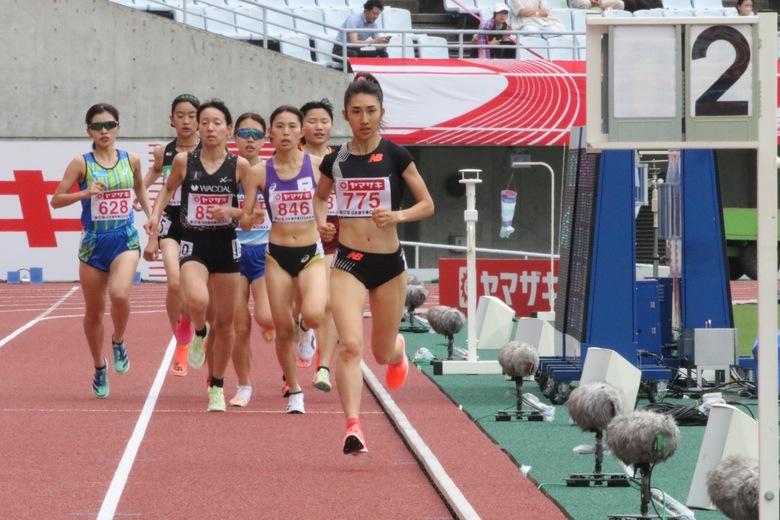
249 137
107 178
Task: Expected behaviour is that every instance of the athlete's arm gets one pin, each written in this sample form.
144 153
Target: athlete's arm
154 172
141 194
175 179
423 207
327 229
249 177
74 174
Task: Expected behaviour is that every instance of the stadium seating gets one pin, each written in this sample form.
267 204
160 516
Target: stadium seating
192 17
249 20
334 17
532 48
396 20
221 20
562 47
309 20
453 7
678 4
323 48
296 46
672 13
617 13
300 21
484 4
564 15
648 13
714 5
578 19
432 47
331 3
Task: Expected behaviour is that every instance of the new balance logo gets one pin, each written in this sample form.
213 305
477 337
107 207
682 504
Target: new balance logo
354 255
375 157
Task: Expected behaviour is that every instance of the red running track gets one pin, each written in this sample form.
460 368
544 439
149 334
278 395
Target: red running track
152 451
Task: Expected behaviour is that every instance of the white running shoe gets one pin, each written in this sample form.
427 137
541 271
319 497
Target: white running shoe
242 397
307 345
295 403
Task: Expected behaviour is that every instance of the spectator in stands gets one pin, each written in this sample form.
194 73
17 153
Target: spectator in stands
745 7
534 16
109 248
637 5
498 22
603 5
363 33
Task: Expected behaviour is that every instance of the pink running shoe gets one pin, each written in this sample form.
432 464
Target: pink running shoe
354 443
184 331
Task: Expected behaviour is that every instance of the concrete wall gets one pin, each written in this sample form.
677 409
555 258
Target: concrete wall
59 57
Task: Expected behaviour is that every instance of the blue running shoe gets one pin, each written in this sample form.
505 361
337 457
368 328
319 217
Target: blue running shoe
100 381
121 360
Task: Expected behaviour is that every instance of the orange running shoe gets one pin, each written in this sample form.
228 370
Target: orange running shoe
285 388
354 444
179 363
269 334
396 373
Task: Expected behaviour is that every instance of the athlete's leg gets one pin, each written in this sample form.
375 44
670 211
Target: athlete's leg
280 288
93 287
262 306
223 288
327 337
170 257
349 294
242 351
193 281
120 281
387 306
312 286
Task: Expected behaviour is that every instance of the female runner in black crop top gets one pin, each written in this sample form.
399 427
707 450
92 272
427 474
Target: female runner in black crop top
368 173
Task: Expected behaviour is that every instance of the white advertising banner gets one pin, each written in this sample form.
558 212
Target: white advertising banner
32 233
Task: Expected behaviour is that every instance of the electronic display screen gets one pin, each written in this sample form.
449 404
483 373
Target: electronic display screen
577 223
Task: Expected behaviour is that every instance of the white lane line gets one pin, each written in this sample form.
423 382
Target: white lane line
114 494
39 318
446 486
171 411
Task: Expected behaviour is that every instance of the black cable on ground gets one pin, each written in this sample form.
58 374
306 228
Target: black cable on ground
684 415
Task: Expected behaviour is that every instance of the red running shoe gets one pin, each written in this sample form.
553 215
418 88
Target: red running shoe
396 374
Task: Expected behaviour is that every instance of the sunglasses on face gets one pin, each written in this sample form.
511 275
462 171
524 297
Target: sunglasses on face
103 125
246 133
